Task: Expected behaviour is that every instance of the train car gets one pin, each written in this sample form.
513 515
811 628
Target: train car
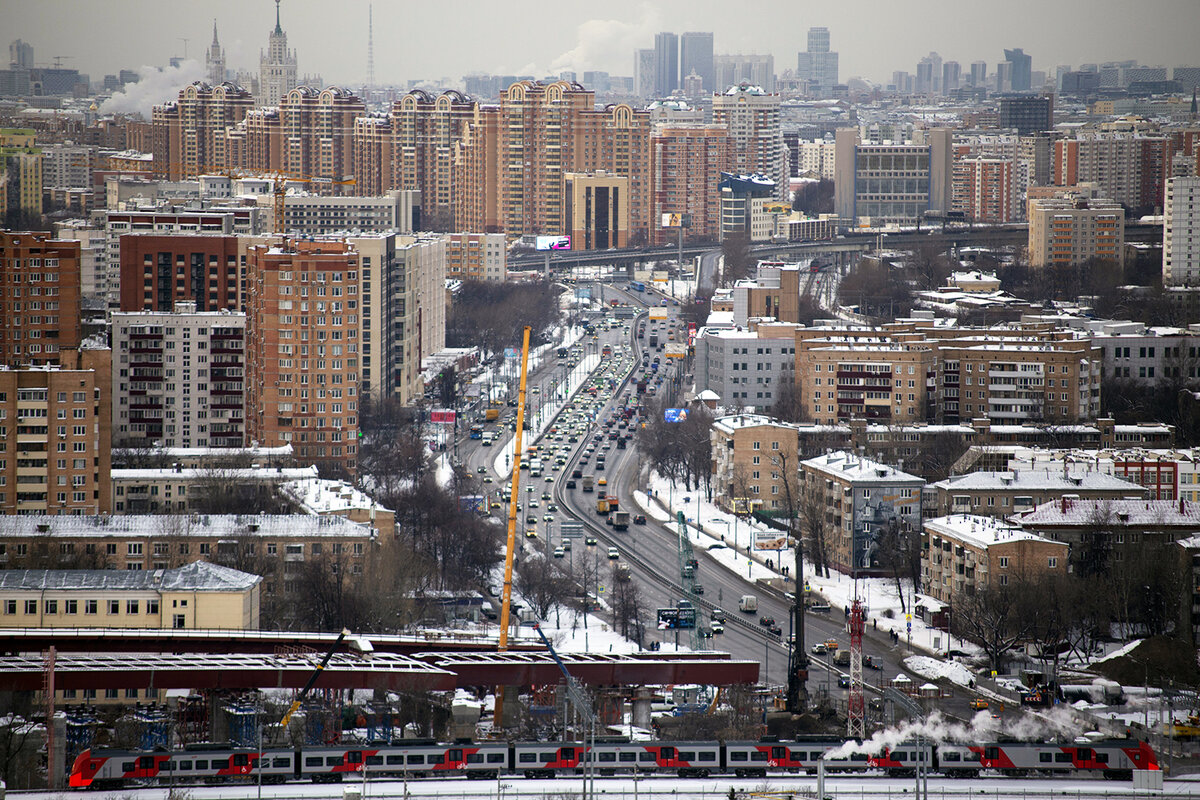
903 759
418 759
754 759
97 769
1114 758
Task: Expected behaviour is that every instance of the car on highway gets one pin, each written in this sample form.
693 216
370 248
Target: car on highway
559 552
831 645
531 534
590 541
979 704
717 627
613 553
819 649
844 681
766 621
639 519
531 519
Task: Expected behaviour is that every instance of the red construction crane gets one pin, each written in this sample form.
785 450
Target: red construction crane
856 708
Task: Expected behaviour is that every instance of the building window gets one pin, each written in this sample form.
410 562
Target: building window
114 606
1003 562
131 606
10 607
151 606
72 606
91 606
31 607
178 621
1052 562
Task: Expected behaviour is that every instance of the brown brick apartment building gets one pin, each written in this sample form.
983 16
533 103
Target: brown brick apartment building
159 271
302 360
39 297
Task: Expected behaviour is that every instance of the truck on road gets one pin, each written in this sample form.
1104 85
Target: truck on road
602 506
492 414
588 483
748 604
620 520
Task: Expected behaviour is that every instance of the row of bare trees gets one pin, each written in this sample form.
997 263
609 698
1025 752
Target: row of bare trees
680 451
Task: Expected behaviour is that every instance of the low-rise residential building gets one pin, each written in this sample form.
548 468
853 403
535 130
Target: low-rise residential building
745 367
879 380
754 462
862 499
1107 532
962 554
199 595
999 494
182 490
313 495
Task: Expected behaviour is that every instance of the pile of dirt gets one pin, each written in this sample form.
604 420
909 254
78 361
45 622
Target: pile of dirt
1156 661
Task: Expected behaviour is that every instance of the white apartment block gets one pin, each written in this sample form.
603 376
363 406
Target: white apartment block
93 254
816 157
743 368
1181 232
315 215
179 378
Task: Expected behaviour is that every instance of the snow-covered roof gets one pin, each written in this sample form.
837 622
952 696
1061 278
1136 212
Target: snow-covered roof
978 530
736 422
856 469
1045 480
320 496
200 473
199 525
1114 513
198 576
708 394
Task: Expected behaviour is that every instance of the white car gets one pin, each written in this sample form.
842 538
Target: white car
614 553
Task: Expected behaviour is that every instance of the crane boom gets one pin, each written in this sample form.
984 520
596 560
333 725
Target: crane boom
295 706
510 545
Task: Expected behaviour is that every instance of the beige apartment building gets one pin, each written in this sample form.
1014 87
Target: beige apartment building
876 380
426 132
754 461
999 494
476 257
963 554
1070 230
686 162
56 436
199 595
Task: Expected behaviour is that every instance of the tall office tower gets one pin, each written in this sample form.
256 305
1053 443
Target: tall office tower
902 82
892 183
818 65
318 136
757 70
951 76
979 74
20 55
686 163
1027 113
178 378
59 420
1003 77
666 63
214 60
1181 224
696 55
159 271
276 67
188 135
756 144
644 75
1022 69
426 132
302 350
39 298
929 75
509 173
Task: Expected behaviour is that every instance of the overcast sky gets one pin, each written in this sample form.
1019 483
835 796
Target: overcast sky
417 39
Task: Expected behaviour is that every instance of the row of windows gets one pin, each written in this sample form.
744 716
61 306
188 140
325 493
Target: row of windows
54 606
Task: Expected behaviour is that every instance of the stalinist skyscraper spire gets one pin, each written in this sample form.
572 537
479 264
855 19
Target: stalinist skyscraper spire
215 60
276 67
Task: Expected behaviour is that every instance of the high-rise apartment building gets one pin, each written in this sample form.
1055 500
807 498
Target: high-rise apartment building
276 67
1130 168
1071 230
696 55
892 183
302 355
56 442
39 298
756 146
188 135
818 65
20 173
985 189
318 137
159 271
686 163
1181 232
666 63
178 378
1022 69
427 131
509 173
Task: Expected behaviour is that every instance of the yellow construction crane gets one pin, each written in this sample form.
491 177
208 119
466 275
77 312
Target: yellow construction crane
281 180
506 596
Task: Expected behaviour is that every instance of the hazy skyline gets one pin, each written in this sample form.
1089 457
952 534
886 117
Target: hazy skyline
449 39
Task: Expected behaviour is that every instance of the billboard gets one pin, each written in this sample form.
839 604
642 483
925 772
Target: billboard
512 352
676 220
444 416
673 618
674 414
552 243
676 350
472 503
571 530
770 540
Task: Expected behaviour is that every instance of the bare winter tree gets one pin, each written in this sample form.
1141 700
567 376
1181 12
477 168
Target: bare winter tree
995 618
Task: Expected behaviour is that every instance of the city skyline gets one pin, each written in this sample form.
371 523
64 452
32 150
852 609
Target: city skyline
1160 32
